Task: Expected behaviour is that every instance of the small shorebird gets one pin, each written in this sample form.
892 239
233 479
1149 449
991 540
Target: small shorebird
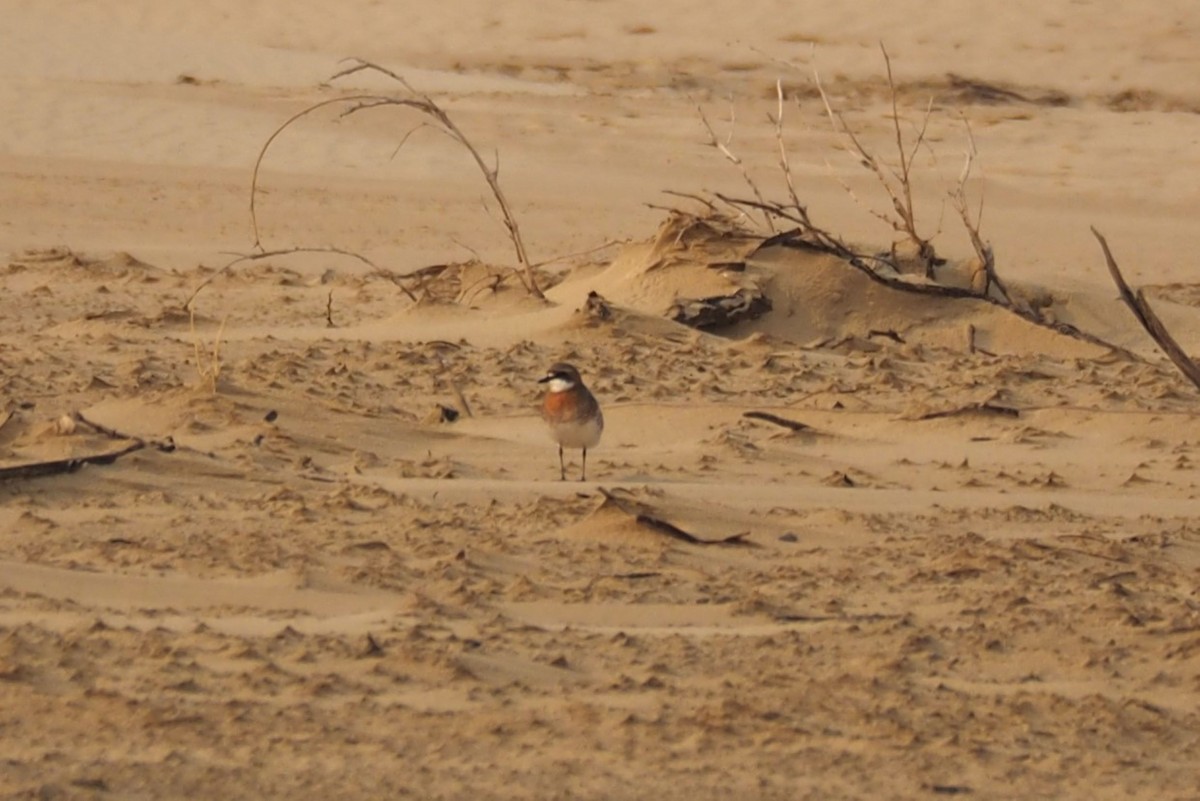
572 413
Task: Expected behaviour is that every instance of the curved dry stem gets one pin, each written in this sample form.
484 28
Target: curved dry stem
983 251
267 254
1150 321
580 253
491 281
424 105
427 105
714 141
267 145
784 164
404 139
904 221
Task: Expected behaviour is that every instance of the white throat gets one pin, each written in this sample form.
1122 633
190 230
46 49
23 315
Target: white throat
560 384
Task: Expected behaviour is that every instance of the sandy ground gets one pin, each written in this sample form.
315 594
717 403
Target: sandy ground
973 574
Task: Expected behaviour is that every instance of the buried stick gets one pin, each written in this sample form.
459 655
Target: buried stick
1145 315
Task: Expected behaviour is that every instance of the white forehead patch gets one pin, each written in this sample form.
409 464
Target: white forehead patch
560 384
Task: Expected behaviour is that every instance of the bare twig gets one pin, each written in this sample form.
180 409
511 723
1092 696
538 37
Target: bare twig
208 365
904 221
56 466
423 104
608 243
1145 315
723 149
461 399
166 445
905 209
690 196
784 165
70 465
983 250
426 105
267 144
491 281
805 230
270 254
792 425
329 311
99 428
649 517
978 407
672 530
897 183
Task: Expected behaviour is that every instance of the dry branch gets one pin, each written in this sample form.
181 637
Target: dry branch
166 445
793 425
1145 315
59 466
649 517
979 407
904 221
799 231
808 236
983 251
672 530
422 104
723 148
608 243
785 165
269 254
70 465
208 365
460 399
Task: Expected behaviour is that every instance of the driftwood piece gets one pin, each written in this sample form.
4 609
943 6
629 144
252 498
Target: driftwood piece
888 334
672 530
721 310
70 465
794 425
985 407
1145 315
57 466
647 516
865 617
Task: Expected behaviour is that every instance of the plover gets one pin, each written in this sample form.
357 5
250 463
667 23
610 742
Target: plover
572 413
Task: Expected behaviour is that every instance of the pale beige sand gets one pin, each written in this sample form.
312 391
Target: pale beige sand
354 601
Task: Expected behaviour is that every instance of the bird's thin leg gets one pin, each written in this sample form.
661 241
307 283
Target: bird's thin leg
562 467
583 470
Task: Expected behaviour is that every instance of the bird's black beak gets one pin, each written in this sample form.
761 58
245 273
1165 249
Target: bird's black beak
545 378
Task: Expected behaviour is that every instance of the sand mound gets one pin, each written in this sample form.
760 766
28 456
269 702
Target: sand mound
814 298
818 297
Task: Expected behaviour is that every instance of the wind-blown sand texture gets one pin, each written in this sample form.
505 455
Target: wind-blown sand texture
971 572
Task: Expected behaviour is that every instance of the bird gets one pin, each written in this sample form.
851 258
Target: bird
572 412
